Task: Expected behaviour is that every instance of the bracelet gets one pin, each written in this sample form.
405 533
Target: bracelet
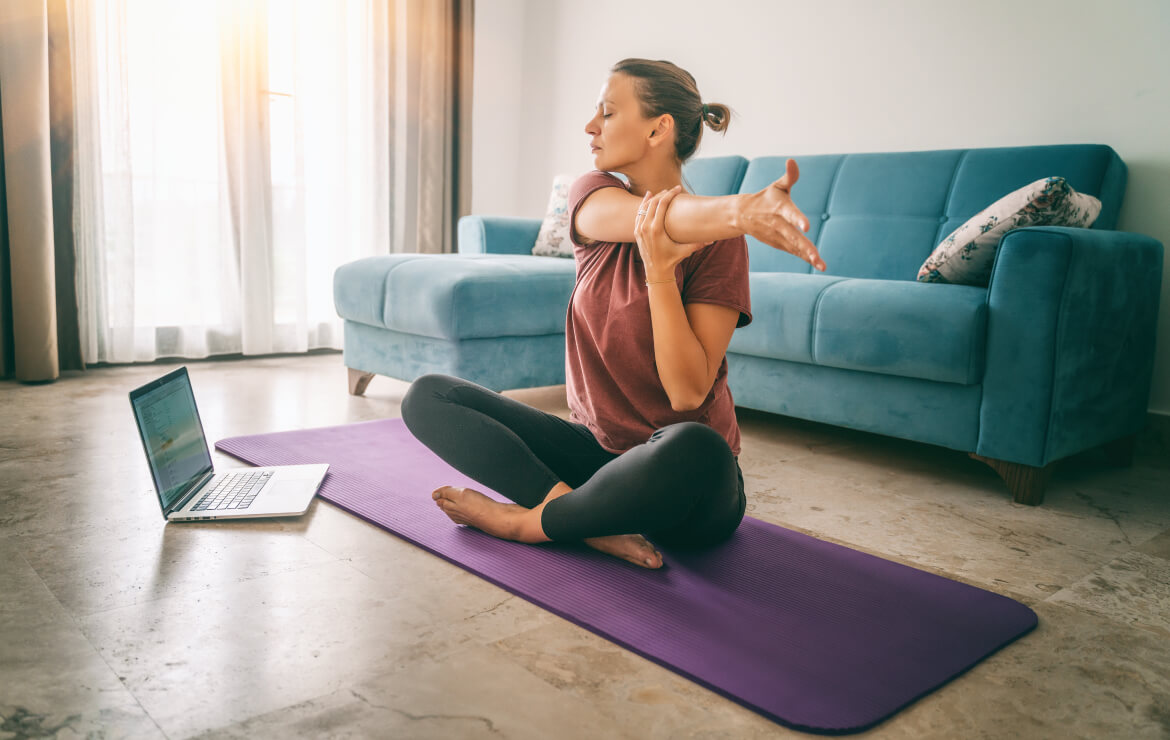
659 282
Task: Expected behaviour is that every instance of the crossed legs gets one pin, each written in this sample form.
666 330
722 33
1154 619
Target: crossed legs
682 487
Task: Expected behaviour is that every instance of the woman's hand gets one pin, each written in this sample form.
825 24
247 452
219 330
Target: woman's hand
660 254
772 217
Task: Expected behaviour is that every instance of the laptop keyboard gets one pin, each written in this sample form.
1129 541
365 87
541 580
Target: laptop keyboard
233 491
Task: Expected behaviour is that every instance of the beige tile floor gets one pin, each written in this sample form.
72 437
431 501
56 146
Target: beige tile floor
113 624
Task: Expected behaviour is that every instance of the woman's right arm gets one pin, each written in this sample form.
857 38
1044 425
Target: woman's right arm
608 215
769 215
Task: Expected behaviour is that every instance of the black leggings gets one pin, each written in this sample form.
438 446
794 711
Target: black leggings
682 487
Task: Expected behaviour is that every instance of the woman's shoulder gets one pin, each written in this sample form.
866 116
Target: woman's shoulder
602 176
593 180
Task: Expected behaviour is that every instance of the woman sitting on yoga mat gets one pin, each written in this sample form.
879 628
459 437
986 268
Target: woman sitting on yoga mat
652 444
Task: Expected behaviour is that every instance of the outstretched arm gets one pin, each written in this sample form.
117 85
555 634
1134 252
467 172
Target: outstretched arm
769 215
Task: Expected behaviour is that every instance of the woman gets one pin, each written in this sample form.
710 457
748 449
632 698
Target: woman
651 448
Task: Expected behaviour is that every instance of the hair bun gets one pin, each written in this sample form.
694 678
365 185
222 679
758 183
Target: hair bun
717 116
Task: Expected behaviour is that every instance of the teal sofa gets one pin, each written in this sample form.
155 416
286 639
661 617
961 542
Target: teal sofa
1052 358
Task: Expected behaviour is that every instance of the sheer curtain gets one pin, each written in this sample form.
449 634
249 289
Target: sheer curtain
229 158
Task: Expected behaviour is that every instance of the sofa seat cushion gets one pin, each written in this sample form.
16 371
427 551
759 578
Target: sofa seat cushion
456 296
784 304
915 330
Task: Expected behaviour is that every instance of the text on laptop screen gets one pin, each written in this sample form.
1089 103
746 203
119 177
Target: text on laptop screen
173 437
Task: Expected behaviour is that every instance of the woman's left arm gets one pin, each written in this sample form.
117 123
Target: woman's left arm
690 341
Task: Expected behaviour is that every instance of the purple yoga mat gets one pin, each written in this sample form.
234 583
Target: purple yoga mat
810 634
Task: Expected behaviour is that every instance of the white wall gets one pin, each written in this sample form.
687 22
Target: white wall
838 76
495 106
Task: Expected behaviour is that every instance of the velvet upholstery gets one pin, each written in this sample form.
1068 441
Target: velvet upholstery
913 330
483 234
714 175
1070 339
498 363
916 330
1054 357
456 297
783 310
945 414
900 205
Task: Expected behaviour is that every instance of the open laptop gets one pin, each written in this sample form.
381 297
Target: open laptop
180 462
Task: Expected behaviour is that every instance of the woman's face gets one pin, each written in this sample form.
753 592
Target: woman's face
618 133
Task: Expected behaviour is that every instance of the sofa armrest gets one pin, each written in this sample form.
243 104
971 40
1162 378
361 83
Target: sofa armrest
1070 341
497 235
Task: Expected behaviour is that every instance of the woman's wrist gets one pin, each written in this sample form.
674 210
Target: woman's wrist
660 275
738 213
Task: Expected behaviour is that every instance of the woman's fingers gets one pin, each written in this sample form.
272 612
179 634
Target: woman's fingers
791 172
663 203
803 248
784 235
652 211
791 175
640 217
655 211
796 217
786 222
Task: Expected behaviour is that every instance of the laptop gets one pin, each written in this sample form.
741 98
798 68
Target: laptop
188 487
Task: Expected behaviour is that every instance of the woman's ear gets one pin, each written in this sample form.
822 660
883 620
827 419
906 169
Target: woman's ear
662 127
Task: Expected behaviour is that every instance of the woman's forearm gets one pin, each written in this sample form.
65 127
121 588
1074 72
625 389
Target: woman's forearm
695 218
678 353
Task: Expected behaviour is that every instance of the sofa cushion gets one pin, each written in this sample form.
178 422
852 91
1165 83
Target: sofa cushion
879 215
456 296
714 175
915 330
966 255
894 327
871 215
986 174
785 303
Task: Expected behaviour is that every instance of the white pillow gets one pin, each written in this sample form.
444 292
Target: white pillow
553 239
967 254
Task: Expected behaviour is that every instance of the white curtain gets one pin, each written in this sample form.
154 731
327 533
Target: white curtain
229 158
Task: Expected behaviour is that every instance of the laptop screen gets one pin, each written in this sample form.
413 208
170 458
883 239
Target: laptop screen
171 433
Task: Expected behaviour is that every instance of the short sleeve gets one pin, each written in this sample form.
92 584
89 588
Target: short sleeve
582 188
718 274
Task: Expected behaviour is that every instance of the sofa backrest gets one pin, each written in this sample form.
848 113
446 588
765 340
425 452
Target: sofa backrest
880 215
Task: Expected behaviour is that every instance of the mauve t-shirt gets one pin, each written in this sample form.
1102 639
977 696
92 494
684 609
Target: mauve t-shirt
611 376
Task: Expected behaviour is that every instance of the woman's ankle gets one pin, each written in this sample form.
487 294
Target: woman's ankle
528 527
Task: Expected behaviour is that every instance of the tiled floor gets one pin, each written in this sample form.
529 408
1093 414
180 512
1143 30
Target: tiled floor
113 624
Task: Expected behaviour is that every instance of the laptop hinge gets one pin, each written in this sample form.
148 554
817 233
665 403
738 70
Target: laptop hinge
191 494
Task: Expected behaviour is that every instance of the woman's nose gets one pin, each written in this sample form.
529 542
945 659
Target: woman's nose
591 126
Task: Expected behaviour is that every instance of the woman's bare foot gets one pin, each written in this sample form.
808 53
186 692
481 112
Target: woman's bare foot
516 523
632 547
506 521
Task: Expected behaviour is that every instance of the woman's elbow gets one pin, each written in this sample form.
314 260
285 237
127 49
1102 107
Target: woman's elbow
686 403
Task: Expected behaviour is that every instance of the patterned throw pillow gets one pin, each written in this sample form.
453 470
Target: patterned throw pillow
967 254
553 239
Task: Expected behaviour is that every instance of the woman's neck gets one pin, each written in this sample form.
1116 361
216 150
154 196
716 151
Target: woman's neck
652 179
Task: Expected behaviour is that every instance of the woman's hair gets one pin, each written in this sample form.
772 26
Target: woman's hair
662 87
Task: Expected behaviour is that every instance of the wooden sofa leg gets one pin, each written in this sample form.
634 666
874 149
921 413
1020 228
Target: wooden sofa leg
358 380
1027 483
